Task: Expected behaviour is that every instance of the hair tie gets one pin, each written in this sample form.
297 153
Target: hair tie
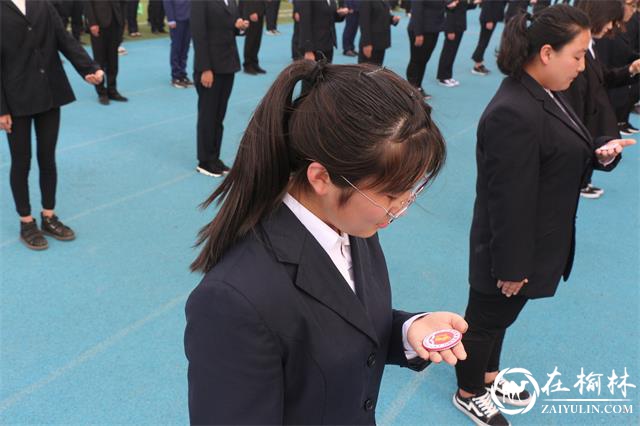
317 73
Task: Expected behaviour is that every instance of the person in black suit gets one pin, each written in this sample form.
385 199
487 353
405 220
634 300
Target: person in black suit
33 87
588 92
106 23
317 26
253 11
532 154
375 31
492 12
214 27
426 23
455 24
292 322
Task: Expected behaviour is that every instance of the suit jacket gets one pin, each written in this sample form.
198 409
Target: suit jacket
492 11
248 7
375 20
275 335
214 36
104 13
317 24
427 16
32 79
531 161
455 20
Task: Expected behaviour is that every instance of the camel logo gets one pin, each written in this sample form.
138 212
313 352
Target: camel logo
504 389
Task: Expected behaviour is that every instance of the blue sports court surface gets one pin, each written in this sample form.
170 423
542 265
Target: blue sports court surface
91 330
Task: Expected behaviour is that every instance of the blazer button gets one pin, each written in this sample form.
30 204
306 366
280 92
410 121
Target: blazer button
28 28
371 361
41 70
369 405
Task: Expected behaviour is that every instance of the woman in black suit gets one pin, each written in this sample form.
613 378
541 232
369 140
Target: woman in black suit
292 323
492 12
317 26
33 88
375 31
532 154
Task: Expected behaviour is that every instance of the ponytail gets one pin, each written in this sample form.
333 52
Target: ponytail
514 45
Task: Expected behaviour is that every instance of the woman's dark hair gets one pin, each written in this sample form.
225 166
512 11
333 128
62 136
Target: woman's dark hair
359 121
524 35
601 12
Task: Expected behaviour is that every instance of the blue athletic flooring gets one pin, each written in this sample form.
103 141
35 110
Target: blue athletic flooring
91 330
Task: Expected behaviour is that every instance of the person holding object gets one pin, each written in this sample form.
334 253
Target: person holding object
214 27
292 322
532 154
33 87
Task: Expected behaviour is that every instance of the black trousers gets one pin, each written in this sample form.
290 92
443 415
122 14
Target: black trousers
155 13
488 316
131 13
212 107
272 10
252 41
623 99
377 57
296 52
105 53
419 57
483 42
448 56
46 125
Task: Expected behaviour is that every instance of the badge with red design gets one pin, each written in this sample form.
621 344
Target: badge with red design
442 340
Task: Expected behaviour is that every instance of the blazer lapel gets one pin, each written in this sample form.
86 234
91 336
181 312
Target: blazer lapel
13 7
316 274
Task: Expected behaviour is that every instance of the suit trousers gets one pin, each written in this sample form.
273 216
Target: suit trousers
483 42
212 107
156 15
105 53
489 316
271 14
350 30
252 41
377 57
180 39
46 126
131 13
448 56
419 57
296 52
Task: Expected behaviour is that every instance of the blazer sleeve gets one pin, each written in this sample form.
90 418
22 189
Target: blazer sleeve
365 23
616 77
70 47
417 15
305 9
90 14
200 36
511 163
396 354
169 10
235 365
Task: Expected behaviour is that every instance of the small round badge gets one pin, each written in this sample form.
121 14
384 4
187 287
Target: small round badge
442 340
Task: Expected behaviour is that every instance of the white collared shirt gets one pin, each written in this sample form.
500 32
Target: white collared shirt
22 5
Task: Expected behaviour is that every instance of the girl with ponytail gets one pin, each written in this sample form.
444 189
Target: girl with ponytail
293 322
532 154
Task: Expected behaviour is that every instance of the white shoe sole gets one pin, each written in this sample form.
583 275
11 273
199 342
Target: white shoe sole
207 173
471 416
474 72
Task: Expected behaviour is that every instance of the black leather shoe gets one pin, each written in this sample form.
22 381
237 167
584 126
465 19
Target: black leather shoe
117 97
260 70
103 99
58 230
32 237
250 70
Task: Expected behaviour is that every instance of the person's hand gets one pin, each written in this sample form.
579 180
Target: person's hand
206 79
437 321
533 2
253 17
95 30
343 11
395 19
609 151
95 78
451 36
242 24
511 288
489 26
634 68
453 4
419 41
367 50
5 123
310 55
477 1
172 24
296 17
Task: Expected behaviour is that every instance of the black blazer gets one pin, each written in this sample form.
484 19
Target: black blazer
317 24
455 20
104 13
248 7
427 16
375 20
588 95
492 11
275 335
531 161
515 7
32 79
214 34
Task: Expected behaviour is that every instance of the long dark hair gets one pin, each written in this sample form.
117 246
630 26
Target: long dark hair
601 12
358 121
524 35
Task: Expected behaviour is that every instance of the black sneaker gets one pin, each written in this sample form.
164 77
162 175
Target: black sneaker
224 167
424 94
632 128
32 237
58 230
508 395
480 409
479 70
591 191
178 83
624 130
211 169
186 81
